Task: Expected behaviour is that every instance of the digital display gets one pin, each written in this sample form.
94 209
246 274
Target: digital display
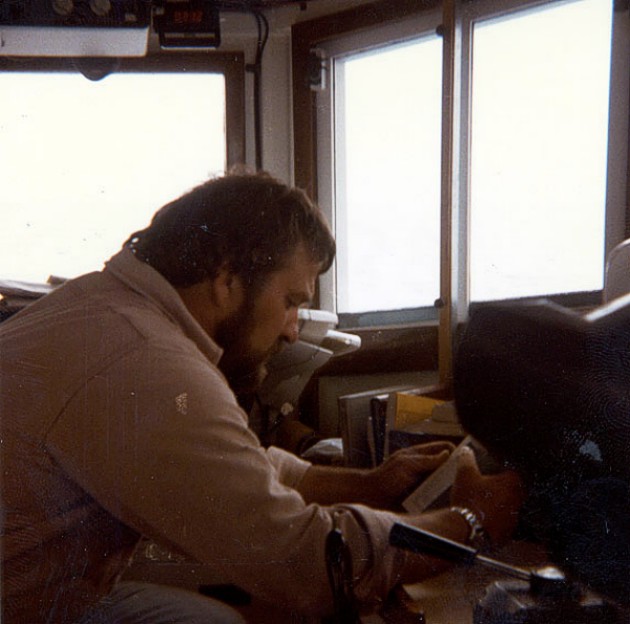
188 24
187 17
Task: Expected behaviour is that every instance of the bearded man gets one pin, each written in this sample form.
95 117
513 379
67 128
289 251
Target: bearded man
118 422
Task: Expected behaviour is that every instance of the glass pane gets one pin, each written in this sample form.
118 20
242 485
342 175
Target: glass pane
388 129
84 164
539 151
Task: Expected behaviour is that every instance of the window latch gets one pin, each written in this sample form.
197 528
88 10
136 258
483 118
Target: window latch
317 69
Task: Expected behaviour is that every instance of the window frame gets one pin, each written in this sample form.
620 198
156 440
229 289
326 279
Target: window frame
328 108
393 348
485 10
453 304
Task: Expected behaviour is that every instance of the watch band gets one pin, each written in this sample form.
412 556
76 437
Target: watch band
478 536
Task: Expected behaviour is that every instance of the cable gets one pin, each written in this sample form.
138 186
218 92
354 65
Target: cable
254 68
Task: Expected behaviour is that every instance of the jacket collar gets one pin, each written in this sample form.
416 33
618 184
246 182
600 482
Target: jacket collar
146 281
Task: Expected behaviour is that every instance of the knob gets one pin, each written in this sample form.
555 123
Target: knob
100 7
62 7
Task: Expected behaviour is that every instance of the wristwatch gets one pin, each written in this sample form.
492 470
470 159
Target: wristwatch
478 536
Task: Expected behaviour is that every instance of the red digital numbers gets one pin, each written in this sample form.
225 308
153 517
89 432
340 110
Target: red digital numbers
185 16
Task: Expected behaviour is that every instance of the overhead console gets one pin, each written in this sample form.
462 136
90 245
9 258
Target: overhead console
104 28
74 28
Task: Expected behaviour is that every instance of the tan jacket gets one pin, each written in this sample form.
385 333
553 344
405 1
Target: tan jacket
116 423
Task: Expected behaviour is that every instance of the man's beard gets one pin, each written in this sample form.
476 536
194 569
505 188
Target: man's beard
243 368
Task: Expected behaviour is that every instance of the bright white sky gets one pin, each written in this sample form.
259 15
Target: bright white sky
84 164
539 151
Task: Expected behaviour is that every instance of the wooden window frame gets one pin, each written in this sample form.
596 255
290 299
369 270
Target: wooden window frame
391 349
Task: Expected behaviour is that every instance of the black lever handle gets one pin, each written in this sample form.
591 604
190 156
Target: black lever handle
422 541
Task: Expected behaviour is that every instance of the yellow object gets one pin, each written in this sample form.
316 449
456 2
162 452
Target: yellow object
410 409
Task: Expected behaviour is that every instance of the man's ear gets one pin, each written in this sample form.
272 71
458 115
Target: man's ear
226 290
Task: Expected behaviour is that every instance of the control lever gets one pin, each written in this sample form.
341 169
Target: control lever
539 596
547 580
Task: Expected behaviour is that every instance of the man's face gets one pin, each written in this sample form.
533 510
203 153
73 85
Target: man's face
265 321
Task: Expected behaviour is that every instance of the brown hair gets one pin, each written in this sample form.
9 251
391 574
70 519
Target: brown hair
250 223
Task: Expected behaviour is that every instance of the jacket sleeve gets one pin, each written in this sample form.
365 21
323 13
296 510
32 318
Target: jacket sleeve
289 468
159 441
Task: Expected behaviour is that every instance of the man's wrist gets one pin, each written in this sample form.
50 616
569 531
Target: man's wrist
477 535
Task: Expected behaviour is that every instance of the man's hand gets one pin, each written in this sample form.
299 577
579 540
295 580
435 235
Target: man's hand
495 499
404 470
384 487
